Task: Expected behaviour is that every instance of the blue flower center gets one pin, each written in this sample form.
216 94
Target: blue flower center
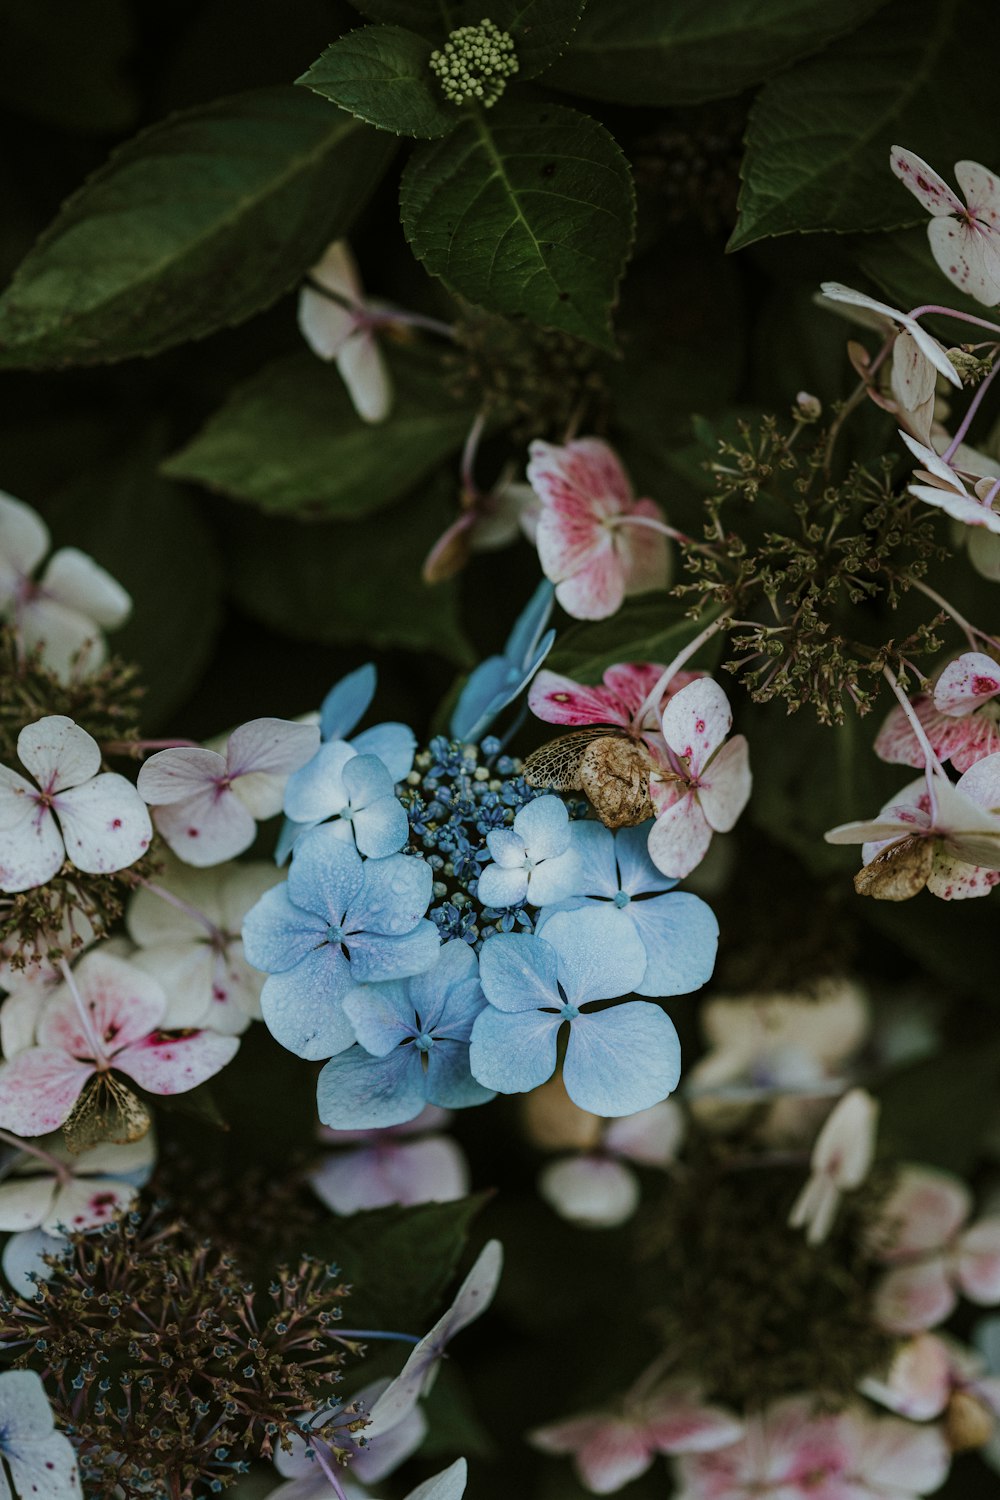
622 898
335 935
424 1042
569 1012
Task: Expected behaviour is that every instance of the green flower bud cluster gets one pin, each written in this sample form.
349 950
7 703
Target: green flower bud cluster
475 63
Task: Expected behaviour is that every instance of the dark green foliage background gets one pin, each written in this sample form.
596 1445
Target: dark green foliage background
163 414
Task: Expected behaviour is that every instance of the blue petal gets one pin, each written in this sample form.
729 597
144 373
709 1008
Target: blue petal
501 887
522 643
394 744
599 956
506 847
446 984
356 1091
382 1015
544 826
483 696
290 831
394 894
346 701
317 789
375 957
513 1053
519 972
638 873
449 1077
304 1009
327 873
366 780
622 1060
553 880
680 935
277 934
381 828
595 849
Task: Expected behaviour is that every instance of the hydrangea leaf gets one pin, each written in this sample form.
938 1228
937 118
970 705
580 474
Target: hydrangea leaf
338 582
527 210
196 223
289 441
542 29
663 52
819 136
381 74
642 630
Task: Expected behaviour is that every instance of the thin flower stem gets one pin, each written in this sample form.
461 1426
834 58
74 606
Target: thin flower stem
853 401
328 1471
216 934
951 312
966 421
86 1020
376 1333
468 466
668 531
932 766
60 1169
652 698
972 632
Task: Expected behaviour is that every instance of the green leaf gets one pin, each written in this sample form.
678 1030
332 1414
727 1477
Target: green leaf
357 581
398 1261
381 74
66 64
526 209
542 29
197 223
151 536
663 52
646 629
818 140
289 441
902 267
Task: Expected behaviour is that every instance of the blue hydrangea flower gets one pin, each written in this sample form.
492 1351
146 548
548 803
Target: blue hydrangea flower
413 1046
535 860
500 679
357 792
338 920
617 1061
318 791
615 875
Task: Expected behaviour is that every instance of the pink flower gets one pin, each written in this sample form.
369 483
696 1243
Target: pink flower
924 1375
710 783
596 542
338 324
791 1452
964 731
112 1022
841 1160
964 237
560 700
206 804
611 1448
77 812
920 1232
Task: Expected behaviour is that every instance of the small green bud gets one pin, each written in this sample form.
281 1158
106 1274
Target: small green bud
474 64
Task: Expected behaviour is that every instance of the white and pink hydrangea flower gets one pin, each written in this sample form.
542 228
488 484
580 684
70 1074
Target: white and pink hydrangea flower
596 542
841 1160
710 781
206 805
52 1190
934 1255
338 324
964 237
73 811
931 1375
612 1447
960 717
108 1016
65 612
621 698
794 1451
966 497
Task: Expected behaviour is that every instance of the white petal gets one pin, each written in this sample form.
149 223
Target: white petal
590 1190
76 581
338 272
31 846
981 189
72 645
25 1201
24 536
366 375
58 753
324 323
105 824
696 721
969 256
924 183
725 785
170 775
845 1146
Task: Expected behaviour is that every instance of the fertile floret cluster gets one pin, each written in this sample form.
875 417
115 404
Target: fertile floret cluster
475 63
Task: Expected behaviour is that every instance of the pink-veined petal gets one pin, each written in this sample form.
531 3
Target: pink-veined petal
910 1299
76 581
172 775
31 846
212 826
978 1262
725 785
366 375
123 1004
105 824
966 683
560 700
679 839
969 256
643 551
58 753
696 721
171 1062
608 1451
595 590
585 471
918 1382
677 1421
38 1089
927 187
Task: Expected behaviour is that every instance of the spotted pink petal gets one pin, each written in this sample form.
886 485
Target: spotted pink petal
87 1203
560 700
927 187
978 1261
597 588
696 721
679 839
172 775
962 741
205 829
953 879
910 1299
922 1214
171 1062
38 1089
725 785
643 551
969 255
122 1002
104 823
58 753
982 191
966 683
